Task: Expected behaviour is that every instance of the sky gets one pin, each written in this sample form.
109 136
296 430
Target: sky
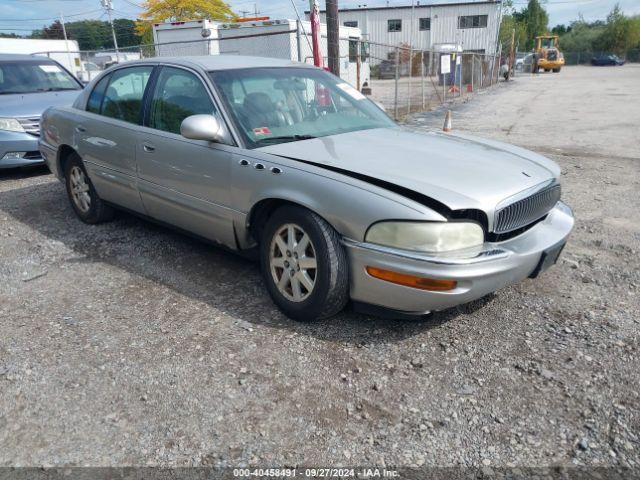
21 16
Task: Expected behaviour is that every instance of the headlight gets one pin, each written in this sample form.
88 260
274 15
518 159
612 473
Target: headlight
426 236
10 124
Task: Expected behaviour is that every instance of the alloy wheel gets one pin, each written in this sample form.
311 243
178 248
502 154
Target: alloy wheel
80 189
292 260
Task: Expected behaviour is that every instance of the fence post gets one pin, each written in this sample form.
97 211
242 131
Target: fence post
460 80
422 76
444 84
358 64
298 41
473 67
395 101
410 75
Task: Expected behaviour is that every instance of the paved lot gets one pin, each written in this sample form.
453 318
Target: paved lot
128 344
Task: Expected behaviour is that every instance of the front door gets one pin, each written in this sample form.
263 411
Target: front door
184 182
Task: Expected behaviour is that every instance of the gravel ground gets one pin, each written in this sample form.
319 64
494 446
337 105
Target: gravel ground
128 344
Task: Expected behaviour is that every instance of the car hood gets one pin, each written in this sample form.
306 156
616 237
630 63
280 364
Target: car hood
33 104
460 171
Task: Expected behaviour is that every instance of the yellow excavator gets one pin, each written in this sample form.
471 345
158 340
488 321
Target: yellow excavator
547 54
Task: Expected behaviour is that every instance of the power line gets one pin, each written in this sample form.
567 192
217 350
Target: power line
46 19
133 4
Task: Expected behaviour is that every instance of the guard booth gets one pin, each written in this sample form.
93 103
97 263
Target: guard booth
450 63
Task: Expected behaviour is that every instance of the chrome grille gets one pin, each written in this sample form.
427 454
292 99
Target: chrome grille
526 211
31 125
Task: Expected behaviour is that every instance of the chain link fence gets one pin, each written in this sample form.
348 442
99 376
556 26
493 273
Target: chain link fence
584 58
402 79
523 60
406 80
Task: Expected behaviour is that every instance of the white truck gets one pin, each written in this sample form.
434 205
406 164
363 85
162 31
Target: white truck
65 52
285 39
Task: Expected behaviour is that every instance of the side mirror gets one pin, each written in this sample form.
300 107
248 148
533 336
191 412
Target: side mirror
203 127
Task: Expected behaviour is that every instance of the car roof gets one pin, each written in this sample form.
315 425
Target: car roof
21 56
224 62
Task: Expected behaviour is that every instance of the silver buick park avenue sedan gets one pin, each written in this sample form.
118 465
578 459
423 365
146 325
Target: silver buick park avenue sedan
287 162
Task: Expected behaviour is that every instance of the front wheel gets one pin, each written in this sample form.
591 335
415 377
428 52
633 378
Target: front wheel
556 70
83 197
304 264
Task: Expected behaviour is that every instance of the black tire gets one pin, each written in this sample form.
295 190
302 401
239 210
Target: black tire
98 211
330 292
556 70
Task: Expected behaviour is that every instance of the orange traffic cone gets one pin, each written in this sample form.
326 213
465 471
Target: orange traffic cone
447 122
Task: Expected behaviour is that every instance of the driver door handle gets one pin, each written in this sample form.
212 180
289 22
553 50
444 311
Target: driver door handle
80 129
148 148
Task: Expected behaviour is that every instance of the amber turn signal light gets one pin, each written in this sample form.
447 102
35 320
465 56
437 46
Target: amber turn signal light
412 281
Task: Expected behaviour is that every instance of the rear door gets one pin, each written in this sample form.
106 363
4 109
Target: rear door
184 182
108 133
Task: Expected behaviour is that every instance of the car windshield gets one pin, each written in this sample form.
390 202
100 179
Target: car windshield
30 76
277 105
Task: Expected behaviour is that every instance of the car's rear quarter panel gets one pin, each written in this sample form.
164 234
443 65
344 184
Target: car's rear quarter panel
57 131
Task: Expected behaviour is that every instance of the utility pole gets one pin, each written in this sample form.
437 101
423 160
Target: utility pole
333 37
300 26
108 6
66 42
314 16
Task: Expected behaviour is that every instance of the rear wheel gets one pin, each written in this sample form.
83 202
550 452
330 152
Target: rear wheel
83 197
556 70
304 265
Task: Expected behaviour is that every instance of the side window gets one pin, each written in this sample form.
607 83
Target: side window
178 94
123 97
95 99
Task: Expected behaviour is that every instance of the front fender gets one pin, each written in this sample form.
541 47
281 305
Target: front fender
348 204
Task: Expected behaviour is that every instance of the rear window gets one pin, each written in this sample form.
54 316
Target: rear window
32 76
124 94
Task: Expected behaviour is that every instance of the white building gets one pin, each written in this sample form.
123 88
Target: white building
472 24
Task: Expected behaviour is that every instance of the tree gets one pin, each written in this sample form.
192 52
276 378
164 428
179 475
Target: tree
126 32
621 32
93 34
157 11
536 20
561 29
528 23
53 31
509 23
582 37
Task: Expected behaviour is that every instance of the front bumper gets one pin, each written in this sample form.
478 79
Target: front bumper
550 64
18 142
478 273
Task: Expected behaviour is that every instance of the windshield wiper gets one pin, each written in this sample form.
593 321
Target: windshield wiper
56 89
286 138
